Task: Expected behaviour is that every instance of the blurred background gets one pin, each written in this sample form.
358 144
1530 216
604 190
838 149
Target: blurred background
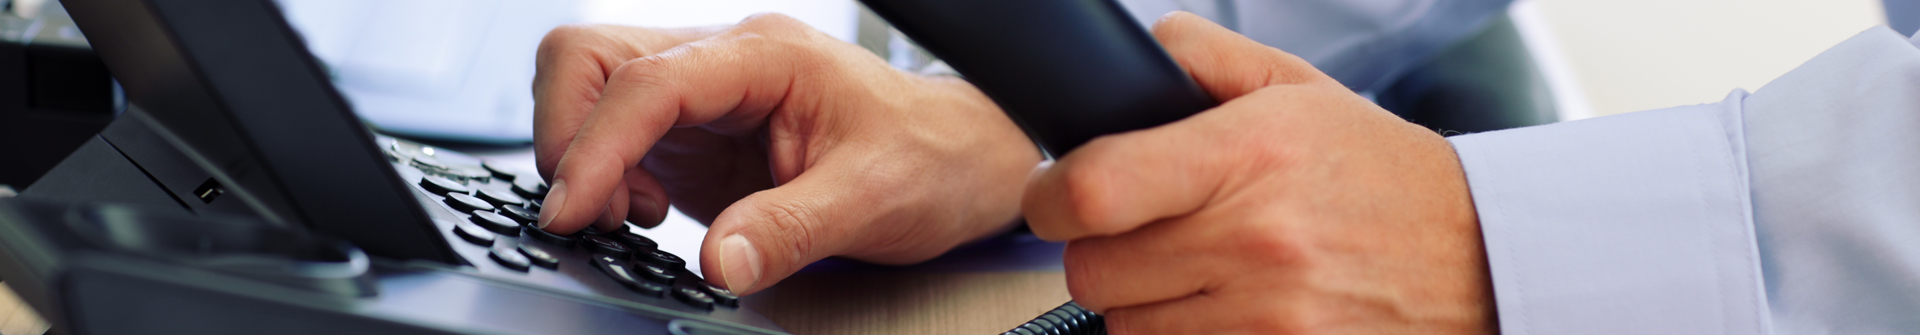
1631 55
459 70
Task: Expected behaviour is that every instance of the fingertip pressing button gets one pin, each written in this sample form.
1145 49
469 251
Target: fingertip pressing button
510 259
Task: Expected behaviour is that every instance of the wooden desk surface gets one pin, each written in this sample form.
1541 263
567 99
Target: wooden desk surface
976 303
16 318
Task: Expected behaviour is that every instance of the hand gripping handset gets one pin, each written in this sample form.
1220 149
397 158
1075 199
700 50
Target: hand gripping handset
1067 71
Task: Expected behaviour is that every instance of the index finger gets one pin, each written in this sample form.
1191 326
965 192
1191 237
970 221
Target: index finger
571 68
733 80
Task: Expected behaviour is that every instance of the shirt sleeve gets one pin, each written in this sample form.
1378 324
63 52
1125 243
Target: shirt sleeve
1794 207
1834 151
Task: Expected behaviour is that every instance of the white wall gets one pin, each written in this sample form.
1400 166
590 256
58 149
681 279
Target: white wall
1631 55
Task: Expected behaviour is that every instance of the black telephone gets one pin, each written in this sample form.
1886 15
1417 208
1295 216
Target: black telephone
239 194
249 199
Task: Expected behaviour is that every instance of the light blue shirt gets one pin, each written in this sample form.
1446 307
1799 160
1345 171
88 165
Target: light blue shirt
1795 209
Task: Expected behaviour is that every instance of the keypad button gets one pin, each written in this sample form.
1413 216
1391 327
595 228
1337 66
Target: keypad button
606 246
551 238
466 203
693 297
441 185
614 268
639 244
500 198
647 288
618 270
540 257
520 214
588 231
499 172
663 258
394 154
721 296
469 173
475 234
510 259
654 273
531 188
428 163
496 223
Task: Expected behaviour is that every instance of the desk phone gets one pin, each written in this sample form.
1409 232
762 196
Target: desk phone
238 194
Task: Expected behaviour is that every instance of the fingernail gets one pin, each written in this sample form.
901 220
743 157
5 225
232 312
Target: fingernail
1039 169
739 262
556 202
654 213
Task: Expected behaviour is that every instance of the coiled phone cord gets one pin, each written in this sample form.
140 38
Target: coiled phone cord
1068 319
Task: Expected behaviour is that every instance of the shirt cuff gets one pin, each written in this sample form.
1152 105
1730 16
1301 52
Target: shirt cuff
1630 224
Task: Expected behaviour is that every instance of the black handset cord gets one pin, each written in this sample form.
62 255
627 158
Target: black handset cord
1068 319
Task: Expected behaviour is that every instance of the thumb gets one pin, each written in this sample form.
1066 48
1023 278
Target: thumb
771 234
1225 63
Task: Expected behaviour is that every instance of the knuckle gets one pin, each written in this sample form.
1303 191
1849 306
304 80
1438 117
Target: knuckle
1086 190
772 22
1083 276
795 221
643 72
566 38
782 37
1276 249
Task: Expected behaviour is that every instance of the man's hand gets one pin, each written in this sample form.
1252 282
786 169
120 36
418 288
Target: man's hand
1295 207
792 145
